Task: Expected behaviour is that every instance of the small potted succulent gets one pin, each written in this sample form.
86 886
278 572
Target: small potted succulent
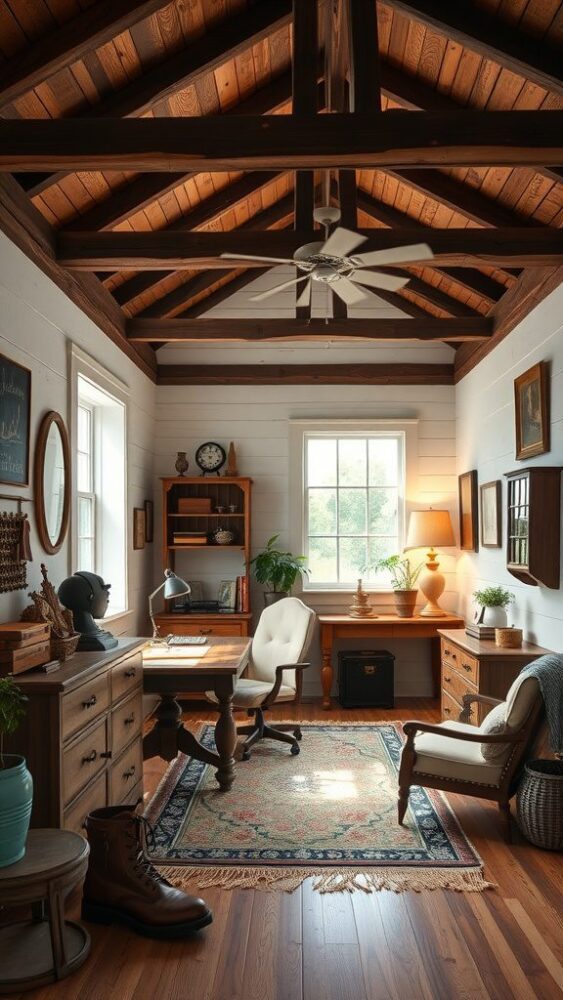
278 570
492 604
403 580
16 784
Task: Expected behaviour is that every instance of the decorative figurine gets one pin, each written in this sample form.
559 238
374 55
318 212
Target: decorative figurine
360 607
231 469
182 464
87 596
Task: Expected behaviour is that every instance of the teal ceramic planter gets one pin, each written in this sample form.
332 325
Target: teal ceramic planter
16 797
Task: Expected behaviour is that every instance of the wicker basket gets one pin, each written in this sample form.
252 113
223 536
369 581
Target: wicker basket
62 648
508 638
539 804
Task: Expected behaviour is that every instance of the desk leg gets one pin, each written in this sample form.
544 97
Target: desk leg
326 669
436 664
225 741
162 740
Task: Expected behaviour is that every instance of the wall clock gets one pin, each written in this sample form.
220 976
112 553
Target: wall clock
210 457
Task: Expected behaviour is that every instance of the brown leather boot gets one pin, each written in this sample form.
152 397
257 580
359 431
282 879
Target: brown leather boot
123 887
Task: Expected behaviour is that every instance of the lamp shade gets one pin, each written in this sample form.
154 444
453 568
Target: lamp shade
174 586
430 528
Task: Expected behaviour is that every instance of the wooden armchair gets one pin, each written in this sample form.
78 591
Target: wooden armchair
449 755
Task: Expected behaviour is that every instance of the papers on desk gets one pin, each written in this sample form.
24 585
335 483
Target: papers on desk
174 656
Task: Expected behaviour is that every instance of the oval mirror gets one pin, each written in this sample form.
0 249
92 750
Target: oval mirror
52 482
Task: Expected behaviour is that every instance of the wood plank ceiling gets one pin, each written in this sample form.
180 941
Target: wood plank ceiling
493 227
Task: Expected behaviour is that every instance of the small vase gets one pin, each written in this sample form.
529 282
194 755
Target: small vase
16 797
273 596
182 463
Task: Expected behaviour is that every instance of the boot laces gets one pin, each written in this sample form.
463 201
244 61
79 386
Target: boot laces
141 837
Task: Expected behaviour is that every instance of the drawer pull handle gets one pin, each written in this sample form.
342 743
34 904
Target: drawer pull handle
92 756
448 652
106 753
129 720
467 666
205 631
129 774
130 673
447 711
448 680
90 703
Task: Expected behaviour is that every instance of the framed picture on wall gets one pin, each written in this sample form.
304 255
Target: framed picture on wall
227 594
15 408
468 512
149 521
491 514
531 411
139 528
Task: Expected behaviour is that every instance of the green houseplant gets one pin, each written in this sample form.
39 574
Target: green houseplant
492 604
278 570
403 582
16 784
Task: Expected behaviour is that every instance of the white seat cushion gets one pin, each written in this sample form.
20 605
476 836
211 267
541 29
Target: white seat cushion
251 694
450 758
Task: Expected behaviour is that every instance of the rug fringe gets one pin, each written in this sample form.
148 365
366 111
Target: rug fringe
331 880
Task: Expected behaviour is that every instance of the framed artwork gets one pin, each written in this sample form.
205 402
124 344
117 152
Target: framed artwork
15 410
531 411
468 512
139 527
491 514
227 594
149 520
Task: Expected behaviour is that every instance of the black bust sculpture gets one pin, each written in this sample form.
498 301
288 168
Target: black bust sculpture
87 596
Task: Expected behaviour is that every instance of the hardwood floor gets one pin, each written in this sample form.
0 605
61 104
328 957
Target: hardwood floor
307 946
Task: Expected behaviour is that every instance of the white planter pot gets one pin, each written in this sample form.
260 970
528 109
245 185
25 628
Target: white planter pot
495 617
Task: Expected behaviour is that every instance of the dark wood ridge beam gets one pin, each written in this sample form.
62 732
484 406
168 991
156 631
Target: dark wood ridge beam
224 42
528 247
210 330
282 142
383 374
92 28
27 228
533 58
304 93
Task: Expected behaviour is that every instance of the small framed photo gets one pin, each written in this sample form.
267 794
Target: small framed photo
468 512
531 411
149 521
15 410
491 514
139 527
227 595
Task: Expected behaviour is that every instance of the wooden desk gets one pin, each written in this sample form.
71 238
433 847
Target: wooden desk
383 627
216 670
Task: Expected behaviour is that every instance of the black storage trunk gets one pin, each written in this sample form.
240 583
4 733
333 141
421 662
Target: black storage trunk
366 679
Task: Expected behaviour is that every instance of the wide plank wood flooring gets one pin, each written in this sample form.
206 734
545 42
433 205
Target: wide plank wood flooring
307 946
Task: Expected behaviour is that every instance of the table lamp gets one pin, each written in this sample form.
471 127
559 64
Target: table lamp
173 586
428 528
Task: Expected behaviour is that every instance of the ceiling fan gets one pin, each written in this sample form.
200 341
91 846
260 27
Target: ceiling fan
334 263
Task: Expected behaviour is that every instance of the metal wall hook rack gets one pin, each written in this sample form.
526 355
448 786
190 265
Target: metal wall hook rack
16 499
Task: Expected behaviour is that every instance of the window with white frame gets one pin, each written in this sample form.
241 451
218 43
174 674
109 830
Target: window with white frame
101 531
353 505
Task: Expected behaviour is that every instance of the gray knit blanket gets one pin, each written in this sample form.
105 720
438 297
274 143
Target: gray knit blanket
548 670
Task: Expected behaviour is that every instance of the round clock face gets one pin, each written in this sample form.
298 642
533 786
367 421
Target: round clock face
210 456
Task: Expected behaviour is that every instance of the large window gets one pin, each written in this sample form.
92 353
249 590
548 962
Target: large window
353 499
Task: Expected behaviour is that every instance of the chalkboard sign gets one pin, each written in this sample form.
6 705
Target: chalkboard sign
15 401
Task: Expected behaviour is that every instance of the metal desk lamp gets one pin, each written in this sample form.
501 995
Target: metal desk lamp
173 586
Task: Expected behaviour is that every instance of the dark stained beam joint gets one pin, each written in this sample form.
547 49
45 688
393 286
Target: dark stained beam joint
233 330
383 374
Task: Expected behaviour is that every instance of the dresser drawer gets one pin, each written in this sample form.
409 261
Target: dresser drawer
95 797
202 627
126 773
126 722
455 684
84 759
81 706
461 661
126 676
450 708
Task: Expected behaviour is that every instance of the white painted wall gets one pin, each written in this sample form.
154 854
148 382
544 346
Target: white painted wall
486 442
37 324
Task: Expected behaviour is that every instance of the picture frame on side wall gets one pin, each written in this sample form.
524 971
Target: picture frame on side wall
15 420
139 527
531 411
468 512
490 495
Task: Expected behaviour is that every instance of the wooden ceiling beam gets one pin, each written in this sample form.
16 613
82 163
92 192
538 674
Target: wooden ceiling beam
281 142
382 374
304 91
528 247
533 58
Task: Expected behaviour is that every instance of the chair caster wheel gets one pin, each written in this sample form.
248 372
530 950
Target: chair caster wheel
245 755
298 734
295 749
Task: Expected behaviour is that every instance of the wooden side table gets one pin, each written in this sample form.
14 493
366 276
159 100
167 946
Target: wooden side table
47 947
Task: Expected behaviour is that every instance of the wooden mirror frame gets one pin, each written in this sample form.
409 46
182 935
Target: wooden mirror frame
50 418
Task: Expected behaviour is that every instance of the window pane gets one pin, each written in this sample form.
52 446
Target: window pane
383 462
383 512
352 512
321 462
322 512
322 560
83 473
380 548
353 557
85 517
86 555
84 433
352 462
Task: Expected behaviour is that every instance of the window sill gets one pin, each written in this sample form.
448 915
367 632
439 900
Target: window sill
117 615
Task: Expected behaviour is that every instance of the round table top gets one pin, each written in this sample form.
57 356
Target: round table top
48 853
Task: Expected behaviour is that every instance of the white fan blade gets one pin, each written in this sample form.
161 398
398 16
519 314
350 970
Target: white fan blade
279 288
305 297
256 256
378 280
341 242
416 251
347 291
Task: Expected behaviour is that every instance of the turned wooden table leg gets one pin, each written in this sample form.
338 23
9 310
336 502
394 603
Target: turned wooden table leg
326 669
225 741
162 740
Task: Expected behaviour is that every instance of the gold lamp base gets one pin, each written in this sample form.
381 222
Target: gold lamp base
432 585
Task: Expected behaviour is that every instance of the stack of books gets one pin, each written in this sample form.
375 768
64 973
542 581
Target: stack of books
190 538
480 631
24 645
242 594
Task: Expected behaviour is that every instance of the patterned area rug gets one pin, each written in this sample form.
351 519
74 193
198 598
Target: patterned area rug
329 812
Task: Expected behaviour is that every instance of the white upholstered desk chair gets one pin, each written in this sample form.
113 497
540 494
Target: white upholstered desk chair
275 671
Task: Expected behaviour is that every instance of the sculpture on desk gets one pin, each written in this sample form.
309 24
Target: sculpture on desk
360 607
87 596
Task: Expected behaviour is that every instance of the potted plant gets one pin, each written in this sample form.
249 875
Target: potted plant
16 784
278 570
493 602
403 580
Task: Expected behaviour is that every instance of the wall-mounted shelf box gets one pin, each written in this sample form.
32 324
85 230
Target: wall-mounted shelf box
534 525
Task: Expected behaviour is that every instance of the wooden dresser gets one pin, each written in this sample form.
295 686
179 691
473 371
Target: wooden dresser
82 734
478 667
